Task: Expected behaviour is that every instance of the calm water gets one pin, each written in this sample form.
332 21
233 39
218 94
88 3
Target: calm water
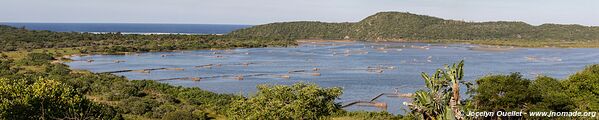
341 65
131 28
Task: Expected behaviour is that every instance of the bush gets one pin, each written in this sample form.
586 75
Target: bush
552 92
207 99
583 88
185 115
138 106
58 69
47 99
5 67
298 101
162 110
364 115
36 59
503 93
514 93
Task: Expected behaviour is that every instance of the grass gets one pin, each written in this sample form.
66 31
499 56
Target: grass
34 68
136 117
57 52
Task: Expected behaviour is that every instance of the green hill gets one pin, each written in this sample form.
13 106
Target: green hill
407 26
15 39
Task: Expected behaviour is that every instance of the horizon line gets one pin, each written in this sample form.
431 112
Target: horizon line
468 21
124 23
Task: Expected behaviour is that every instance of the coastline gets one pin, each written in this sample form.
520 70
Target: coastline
483 45
490 43
68 54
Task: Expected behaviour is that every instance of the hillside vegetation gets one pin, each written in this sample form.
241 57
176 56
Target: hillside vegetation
407 26
14 39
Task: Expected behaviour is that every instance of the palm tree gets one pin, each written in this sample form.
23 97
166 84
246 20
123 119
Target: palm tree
440 101
454 74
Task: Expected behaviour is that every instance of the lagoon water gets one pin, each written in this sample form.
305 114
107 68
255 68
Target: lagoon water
362 69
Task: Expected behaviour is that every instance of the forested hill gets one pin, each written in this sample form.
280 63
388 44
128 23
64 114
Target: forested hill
15 39
407 26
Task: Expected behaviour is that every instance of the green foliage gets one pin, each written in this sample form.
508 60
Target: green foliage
503 93
13 39
36 59
298 101
553 94
514 93
211 100
407 26
58 69
441 99
47 99
364 115
583 87
3 56
153 100
138 106
185 115
147 99
6 67
298 30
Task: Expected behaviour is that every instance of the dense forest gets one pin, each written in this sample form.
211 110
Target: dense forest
407 26
13 39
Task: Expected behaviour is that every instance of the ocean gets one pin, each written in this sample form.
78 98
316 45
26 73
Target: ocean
132 28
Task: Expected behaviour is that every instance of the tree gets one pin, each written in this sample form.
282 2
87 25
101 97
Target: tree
298 101
584 88
441 99
47 99
553 94
503 93
455 74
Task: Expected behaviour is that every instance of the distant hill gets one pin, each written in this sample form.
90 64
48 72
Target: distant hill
407 26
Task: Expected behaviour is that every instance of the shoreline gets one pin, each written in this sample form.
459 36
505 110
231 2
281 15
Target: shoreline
321 40
481 45
494 43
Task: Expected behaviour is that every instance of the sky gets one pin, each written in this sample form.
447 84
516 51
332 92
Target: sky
252 12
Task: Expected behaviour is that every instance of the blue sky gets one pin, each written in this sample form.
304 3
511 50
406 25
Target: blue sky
585 12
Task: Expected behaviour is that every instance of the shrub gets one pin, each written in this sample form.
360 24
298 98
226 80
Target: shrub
552 92
36 59
58 69
583 88
503 92
47 99
162 110
298 101
138 106
364 115
5 67
185 115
